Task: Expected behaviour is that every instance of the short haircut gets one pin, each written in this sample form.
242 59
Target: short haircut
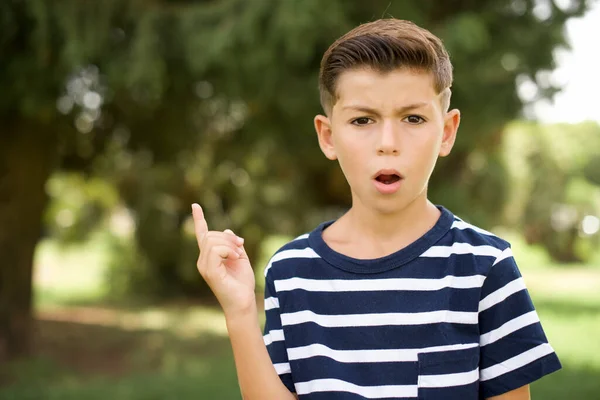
385 45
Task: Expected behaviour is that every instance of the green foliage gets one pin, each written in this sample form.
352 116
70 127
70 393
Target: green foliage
175 102
551 193
592 170
77 206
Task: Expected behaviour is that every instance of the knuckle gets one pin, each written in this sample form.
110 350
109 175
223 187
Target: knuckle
216 251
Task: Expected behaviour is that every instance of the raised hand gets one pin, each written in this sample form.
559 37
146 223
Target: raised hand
224 265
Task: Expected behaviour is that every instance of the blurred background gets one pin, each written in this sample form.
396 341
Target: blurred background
115 116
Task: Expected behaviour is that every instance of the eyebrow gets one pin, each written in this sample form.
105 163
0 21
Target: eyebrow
370 110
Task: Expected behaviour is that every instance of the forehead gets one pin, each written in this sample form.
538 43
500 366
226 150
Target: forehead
384 89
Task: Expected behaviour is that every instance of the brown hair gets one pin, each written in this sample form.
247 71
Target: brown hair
384 45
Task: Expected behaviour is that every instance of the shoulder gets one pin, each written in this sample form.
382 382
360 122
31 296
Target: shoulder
468 231
462 231
483 248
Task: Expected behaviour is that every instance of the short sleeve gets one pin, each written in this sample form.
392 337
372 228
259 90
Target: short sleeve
273 335
514 348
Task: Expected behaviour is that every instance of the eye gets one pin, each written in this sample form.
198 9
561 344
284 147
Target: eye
414 119
362 121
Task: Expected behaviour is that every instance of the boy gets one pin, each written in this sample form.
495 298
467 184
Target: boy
397 298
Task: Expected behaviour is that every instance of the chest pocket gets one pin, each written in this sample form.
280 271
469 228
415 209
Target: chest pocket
449 375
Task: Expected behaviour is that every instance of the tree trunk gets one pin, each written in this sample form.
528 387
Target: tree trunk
27 155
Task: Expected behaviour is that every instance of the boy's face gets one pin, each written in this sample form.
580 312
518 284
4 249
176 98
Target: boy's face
387 131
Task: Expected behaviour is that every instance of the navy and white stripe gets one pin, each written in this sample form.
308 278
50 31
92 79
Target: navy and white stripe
447 317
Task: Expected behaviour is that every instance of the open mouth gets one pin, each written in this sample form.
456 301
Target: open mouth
387 179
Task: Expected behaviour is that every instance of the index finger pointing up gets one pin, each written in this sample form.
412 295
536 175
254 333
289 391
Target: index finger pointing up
200 226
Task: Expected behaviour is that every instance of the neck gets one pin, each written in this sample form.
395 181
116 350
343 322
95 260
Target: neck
395 229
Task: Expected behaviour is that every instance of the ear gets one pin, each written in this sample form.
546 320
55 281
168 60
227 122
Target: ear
451 123
324 133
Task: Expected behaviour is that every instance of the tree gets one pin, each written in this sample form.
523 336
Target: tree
180 101
553 168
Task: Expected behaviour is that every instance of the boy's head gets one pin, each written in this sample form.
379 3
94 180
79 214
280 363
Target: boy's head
385 90
385 45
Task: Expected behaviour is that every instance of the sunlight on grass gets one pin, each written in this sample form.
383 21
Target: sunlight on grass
573 328
72 273
578 281
182 322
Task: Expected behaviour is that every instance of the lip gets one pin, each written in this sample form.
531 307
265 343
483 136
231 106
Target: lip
388 188
388 172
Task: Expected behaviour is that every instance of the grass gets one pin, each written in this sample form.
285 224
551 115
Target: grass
130 365
572 324
180 351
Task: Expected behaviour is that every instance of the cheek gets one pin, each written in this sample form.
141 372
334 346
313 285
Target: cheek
425 155
347 159
344 144
349 156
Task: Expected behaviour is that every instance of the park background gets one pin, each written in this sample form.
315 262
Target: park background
115 116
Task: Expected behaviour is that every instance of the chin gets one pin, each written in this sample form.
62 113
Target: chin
388 206
384 205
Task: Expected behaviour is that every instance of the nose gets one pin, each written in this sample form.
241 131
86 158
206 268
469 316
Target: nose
388 140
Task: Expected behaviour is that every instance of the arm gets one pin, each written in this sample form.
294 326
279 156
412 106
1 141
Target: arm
257 377
224 265
521 393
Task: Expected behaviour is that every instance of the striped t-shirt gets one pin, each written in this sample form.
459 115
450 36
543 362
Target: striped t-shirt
447 317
